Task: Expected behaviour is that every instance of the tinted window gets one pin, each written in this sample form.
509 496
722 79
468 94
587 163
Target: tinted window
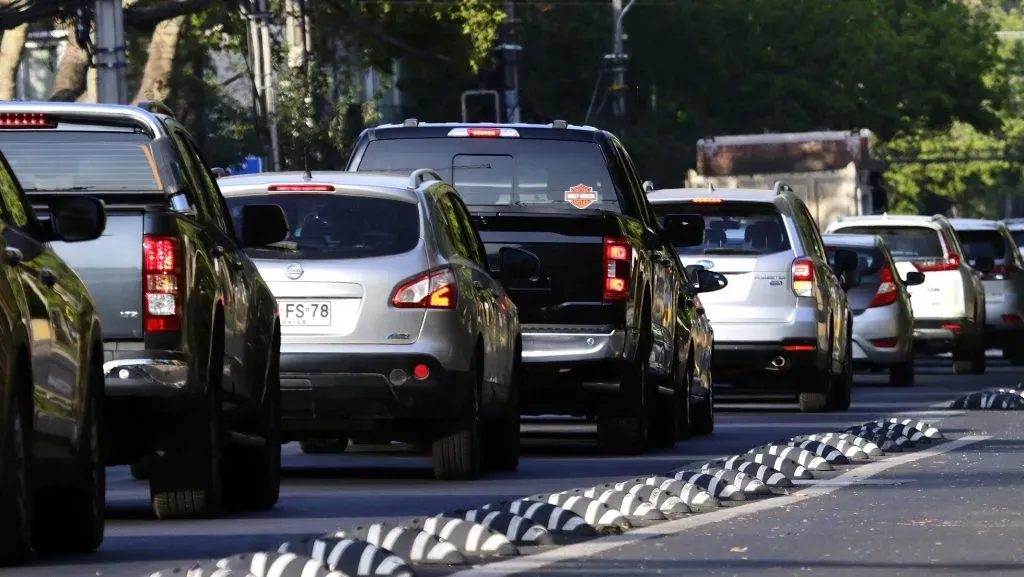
982 243
502 171
336 226
1018 237
869 261
733 228
905 242
81 160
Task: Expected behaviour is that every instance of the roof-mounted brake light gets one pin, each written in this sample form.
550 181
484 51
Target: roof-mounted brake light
484 132
706 201
300 188
26 120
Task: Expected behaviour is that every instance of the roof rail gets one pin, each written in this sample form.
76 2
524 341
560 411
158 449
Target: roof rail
559 124
779 187
419 176
156 107
410 122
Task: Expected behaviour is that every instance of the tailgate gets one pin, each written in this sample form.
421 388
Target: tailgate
569 288
760 288
111 267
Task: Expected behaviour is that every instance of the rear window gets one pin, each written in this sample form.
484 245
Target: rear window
870 260
905 242
505 171
62 160
1018 237
327 226
733 228
982 243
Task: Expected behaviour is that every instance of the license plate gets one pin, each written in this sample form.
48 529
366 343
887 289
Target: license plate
305 313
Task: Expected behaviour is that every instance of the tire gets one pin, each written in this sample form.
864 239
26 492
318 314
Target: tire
252 476
71 519
670 418
16 502
902 374
456 455
501 441
624 429
1014 353
704 416
324 446
970 362
142 469
187 481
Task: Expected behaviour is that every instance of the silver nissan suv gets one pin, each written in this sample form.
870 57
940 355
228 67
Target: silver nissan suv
782 324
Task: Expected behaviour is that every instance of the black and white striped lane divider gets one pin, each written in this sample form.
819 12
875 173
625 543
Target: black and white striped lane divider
667 503
260 564
847 448
770 477
889 440
518 530
351 557
469 537
927 429
866 445
989 400
410 543
802 457
696 498
749 485
597 514
717 486
907 431
551 517
824 450
630 505
784 465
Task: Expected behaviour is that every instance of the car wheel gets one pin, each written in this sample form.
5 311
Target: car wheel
704 414
143 468
71 519
187 480
670 420
842 384
324 446
16 503
456 455
501 433
970 361
624 427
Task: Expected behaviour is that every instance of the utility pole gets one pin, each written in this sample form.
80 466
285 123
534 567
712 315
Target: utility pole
110 58
510 50
269 94
617 59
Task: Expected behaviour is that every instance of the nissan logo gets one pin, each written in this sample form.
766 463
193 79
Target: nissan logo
293 271
706 264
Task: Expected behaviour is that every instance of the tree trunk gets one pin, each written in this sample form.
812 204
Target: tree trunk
11 47
69 81
156 77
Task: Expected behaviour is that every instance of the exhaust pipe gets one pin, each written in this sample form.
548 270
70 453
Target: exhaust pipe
779 362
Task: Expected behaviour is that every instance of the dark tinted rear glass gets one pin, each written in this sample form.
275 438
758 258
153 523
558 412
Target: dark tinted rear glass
905 242
503 171
1018 237
50 160
869 261
733 228
335 226
982 243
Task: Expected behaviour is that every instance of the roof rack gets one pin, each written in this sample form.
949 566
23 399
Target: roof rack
779 187
420 175
156 107
559 124
410 122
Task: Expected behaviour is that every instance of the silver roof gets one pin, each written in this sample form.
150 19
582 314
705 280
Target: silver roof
975 224
666 195
369 183
851 239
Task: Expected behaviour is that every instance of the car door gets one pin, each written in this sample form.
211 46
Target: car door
833 304
55 371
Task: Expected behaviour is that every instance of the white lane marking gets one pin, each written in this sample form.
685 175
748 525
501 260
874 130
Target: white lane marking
669 528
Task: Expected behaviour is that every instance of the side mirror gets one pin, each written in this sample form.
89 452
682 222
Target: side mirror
263 224
692 271
517 263
844 261
683 230
648 186
709 281
914 278
76 219
848 280
984 264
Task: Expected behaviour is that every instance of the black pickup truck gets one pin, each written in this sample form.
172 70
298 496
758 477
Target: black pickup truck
605 309
190 331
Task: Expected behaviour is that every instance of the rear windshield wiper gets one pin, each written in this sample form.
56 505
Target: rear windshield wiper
283 245
714 250
64 189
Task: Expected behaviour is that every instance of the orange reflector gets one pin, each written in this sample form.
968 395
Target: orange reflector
615 285
884 343
421 372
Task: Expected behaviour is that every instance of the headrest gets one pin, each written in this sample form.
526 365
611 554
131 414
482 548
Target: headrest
714 236
764 234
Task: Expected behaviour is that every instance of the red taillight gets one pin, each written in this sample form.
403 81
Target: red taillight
884 343
799 348
953 327
618 256
803 277
950 262
887 291
436 290
26 120
1005 270
160 284
300 188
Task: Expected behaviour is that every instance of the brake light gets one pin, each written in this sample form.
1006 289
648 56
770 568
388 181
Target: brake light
706 201
950 262
160 284
435 290
885 343
618 256
26 120
887 291
490 132
300 188
803 277
1005 271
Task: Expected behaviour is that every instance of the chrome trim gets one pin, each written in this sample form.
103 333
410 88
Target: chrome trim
543 347
80 110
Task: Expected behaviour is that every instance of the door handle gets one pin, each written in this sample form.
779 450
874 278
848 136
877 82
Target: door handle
13 256
48 277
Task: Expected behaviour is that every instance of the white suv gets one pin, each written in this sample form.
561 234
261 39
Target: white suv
949 306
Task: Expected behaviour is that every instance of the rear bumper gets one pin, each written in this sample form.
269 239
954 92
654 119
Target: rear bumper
773 358
933 336
540 346
882 336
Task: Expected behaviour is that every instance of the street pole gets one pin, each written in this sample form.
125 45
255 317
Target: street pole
268 83
510 50
618 58
110 59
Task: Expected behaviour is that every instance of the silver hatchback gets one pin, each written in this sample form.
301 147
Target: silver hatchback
392 325
883 320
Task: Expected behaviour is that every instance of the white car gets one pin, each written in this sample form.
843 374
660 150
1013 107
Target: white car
949 306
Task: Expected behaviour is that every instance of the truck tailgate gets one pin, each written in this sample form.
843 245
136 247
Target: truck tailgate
111 266
570 246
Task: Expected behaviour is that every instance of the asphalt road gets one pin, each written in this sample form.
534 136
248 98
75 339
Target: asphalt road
325 492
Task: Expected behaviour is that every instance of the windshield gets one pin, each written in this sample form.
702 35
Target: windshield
329 226
505 171
65 160
982 243
733 228
905 242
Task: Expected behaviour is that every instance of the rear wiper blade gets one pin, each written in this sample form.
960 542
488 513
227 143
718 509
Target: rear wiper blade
731 251
284 245
65 189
